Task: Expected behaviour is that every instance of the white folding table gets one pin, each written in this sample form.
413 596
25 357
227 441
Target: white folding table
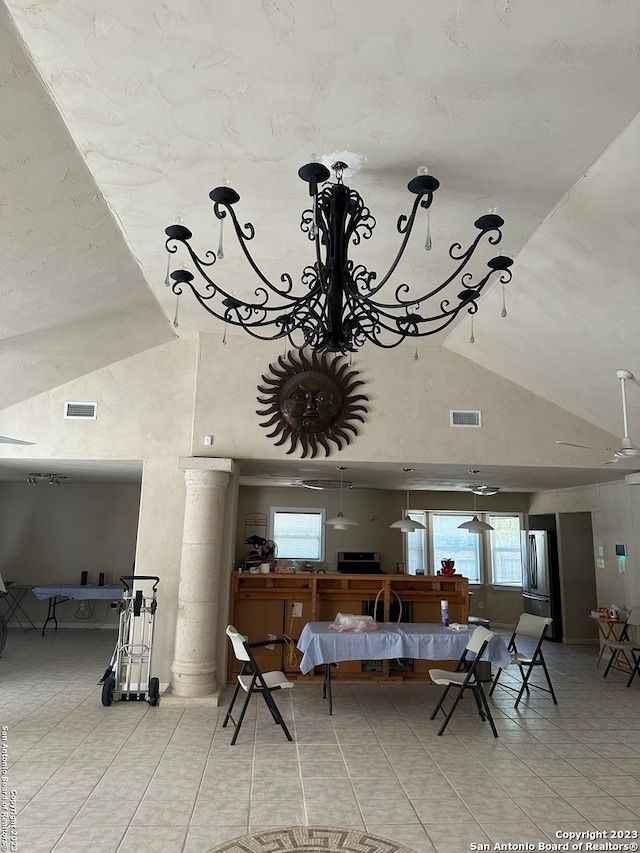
418 640
59 592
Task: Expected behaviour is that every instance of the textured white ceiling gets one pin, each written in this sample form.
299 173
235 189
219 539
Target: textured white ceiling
528 106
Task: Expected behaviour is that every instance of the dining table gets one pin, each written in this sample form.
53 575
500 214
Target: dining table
322 645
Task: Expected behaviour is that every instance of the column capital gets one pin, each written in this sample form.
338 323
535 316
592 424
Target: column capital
207 463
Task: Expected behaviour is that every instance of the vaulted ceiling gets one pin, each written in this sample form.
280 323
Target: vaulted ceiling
119 118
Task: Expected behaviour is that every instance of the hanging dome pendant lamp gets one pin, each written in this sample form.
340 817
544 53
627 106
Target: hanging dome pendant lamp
475 525
339 522
406 524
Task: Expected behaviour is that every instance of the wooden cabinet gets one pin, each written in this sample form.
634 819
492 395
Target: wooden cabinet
264 604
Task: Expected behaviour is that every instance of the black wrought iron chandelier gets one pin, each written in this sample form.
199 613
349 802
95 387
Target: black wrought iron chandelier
340 305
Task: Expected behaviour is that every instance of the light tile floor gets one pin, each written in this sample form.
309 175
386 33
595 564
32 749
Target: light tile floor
130 777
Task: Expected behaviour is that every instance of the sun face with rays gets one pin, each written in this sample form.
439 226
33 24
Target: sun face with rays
310 402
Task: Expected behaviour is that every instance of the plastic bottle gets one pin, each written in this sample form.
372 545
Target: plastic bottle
444 613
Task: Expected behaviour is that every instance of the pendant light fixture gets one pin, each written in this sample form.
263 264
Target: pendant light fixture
339 522
406 524
475 525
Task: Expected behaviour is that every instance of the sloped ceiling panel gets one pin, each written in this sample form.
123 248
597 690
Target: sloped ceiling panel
74 299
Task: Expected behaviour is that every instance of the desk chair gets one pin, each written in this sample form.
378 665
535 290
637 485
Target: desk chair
626 643
534 628
252 680
465 677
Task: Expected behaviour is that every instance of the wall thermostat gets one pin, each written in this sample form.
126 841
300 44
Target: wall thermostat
621 550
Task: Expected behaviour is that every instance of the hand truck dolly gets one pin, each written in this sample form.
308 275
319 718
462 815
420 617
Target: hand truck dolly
128 676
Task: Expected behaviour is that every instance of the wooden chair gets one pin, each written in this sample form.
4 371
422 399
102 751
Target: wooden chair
626 643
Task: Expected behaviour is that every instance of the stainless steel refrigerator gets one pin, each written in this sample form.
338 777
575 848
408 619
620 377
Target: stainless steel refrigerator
540 582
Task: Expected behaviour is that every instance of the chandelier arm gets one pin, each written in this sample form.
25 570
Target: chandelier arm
404 226
181 277
243 239
465 258
492 238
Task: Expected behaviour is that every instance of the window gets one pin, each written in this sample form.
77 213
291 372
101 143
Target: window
416 544
505 550
299 534
460 545
492 557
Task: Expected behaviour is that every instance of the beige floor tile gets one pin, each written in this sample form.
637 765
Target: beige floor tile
203 839
601 808
97 839
153 839
376 764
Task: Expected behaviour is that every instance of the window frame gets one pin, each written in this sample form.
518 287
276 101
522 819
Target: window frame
297 510
485 547
490 550
431 551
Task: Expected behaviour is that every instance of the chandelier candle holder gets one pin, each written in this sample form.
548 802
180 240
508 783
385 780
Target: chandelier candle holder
339 305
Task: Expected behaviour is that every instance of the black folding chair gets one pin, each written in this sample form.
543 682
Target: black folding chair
252 680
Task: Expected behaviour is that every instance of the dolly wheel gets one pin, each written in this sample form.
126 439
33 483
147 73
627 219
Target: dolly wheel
154 691
107 691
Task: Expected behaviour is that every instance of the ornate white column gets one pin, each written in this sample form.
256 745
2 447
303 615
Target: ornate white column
194 664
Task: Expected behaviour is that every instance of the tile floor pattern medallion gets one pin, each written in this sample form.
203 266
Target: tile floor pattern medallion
309 839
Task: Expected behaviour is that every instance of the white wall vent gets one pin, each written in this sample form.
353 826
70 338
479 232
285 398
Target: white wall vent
81 411
465 418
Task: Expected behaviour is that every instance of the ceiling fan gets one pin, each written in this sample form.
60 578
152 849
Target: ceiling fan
6 440
627 450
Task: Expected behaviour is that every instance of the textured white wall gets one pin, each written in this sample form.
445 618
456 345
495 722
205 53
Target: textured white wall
409 404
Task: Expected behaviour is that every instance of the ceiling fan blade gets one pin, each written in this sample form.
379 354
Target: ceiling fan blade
583 446
6 440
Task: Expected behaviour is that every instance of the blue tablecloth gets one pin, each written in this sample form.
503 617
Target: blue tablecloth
79 592
418 640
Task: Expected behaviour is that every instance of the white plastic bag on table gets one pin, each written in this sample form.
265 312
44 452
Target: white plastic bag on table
353 622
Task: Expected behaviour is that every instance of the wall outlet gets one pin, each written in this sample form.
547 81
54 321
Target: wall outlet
271 637
82 607
297 608
481 605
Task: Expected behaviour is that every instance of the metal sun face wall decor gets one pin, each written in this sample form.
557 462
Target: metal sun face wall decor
310 402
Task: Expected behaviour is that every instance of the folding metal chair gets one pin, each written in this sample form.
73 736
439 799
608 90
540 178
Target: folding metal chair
252 680
533 628
465 677
626 643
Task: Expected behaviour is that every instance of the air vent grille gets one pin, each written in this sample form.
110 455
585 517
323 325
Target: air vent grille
81 411
463 418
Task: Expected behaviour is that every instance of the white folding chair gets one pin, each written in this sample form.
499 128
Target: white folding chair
465 677
533 628
627 643
252 680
